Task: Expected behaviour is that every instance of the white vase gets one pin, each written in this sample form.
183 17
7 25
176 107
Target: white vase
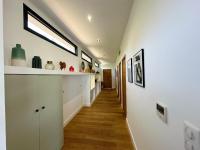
49 65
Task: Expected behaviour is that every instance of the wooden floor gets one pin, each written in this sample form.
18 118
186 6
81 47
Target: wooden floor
100 127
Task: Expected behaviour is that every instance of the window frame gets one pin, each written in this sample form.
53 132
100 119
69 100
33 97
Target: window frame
28 11
97 64
82 52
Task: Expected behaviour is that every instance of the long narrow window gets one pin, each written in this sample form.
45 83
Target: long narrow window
85 57
38 26
96 64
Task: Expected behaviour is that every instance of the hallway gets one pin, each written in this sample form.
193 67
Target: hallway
100 127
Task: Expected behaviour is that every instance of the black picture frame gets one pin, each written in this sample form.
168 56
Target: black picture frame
130 70
139 69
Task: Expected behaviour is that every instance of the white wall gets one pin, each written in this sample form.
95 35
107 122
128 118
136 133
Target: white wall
77 93
2 97
169 33
34 46
72 97
112 67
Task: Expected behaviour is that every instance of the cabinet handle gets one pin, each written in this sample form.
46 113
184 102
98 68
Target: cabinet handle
43 107
37 110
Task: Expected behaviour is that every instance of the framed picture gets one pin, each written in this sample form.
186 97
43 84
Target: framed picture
130 70
139 74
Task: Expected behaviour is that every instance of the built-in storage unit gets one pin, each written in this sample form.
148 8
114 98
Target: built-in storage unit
35 99
97 84
34 112
95 87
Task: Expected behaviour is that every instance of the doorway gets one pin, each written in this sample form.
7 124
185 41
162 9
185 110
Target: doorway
117 80
119 83
107 78
124 105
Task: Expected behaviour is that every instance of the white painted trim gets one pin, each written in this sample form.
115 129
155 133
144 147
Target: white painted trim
98 94
66 121
131 134
94 100
26 70
89 105
2 91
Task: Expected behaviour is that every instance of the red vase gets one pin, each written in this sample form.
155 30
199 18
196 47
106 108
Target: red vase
71 69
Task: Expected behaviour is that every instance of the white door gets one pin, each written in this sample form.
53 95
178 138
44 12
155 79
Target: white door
51 114
22 112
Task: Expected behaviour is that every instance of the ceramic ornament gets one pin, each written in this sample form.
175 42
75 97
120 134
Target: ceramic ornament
18 57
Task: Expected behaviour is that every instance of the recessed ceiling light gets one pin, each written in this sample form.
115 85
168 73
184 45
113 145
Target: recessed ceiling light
89 17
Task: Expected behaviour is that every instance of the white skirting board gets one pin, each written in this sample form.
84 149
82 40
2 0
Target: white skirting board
131 134
71 108
95 99
72 115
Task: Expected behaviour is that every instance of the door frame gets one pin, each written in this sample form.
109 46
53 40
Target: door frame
117 80
119 83
124 102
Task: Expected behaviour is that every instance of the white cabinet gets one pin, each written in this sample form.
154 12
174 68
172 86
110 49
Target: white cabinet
34 110
92 82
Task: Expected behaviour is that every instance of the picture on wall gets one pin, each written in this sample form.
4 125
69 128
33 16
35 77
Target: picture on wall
139 74
130 70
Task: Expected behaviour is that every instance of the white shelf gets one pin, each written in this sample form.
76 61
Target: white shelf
9 70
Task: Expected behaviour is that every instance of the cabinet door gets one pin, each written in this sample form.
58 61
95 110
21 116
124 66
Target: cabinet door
51 114
22 122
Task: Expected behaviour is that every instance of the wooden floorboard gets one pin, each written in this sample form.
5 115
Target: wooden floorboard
100 127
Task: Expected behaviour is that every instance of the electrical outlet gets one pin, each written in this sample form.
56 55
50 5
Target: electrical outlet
191 137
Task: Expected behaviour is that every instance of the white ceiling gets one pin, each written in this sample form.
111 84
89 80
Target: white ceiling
109 19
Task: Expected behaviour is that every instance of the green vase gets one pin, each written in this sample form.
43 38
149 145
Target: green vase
18 57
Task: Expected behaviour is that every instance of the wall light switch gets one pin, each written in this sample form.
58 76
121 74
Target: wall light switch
161 111
191 137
